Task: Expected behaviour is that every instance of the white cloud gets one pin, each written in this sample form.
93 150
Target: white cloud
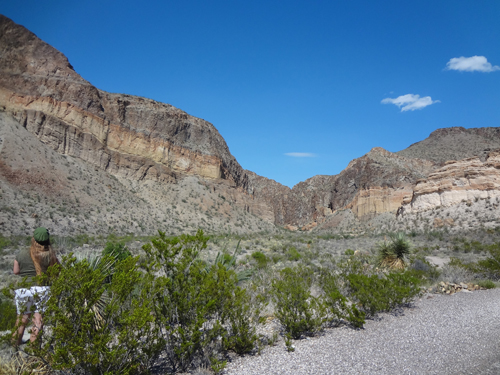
471 64
300 154
410 102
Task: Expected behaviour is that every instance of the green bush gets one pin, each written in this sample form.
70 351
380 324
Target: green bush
349 252
490 267
196 307
488 284
293 255
8 314
337 305
296 309
487 268
260 258
376 293
117 250
123 341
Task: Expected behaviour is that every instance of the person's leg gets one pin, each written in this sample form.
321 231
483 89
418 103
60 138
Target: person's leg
37 326
17 336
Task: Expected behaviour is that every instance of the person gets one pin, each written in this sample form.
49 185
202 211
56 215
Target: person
30 263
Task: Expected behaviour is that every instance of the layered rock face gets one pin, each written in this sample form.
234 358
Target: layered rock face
152 145
456 182
125 135
375 183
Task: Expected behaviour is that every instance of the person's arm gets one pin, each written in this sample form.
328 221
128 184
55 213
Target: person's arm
16 269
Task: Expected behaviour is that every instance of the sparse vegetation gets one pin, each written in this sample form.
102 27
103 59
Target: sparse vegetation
190 291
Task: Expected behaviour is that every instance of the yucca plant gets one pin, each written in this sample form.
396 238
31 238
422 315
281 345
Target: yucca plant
229 262
393 254
105 264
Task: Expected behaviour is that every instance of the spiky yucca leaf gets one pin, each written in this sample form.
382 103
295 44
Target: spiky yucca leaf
106 265
230 262
393 254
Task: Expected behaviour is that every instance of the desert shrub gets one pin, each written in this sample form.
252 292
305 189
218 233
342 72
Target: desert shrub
8 314
349 252
241 335
393 254
260 258
123 341
336 303
376 293
490 267
488 284
195 306
456 272
423 269
296 309
293 255
116 250
487 268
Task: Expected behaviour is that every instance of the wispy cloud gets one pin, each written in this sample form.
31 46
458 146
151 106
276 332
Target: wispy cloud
300 154
410 102
471 64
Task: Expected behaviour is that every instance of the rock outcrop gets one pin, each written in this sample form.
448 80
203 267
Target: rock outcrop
125 135
151 145
378 182
456 182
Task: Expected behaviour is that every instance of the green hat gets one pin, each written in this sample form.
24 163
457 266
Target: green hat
41 235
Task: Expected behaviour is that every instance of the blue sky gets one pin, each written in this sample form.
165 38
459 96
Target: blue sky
296 88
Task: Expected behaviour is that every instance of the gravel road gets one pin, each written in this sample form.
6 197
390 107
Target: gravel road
458 334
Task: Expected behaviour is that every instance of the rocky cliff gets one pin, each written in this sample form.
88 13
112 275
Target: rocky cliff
460 181
165 158
125 135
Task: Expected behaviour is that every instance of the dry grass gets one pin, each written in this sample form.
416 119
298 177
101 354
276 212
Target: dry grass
20 363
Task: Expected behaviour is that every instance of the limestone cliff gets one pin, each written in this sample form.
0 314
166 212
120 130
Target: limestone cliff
152 146
125 135
457 182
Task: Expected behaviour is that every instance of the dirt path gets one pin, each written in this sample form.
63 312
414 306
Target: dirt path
458 334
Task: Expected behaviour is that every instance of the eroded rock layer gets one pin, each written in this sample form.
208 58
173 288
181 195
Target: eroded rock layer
154 146
126 135
457 182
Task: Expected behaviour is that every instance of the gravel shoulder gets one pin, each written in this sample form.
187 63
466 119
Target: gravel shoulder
457 334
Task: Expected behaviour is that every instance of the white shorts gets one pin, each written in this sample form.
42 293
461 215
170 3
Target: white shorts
36 296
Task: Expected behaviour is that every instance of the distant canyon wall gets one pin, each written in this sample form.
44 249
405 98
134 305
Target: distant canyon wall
144 140
456 182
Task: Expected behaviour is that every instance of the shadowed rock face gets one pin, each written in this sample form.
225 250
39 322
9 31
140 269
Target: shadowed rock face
125 135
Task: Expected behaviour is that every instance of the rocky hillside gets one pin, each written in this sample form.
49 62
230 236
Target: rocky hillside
126 135
78 159
454 144
151 149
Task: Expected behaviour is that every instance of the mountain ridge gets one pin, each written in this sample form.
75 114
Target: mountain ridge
155 147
